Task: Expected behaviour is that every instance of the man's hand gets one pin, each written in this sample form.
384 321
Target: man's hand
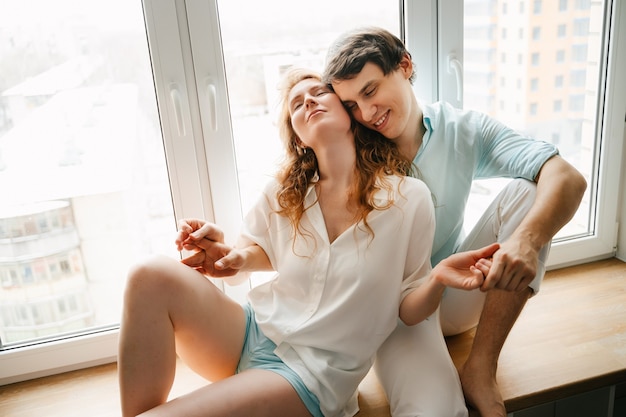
513 267
466 270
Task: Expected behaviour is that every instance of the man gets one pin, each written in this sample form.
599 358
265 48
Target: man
372 72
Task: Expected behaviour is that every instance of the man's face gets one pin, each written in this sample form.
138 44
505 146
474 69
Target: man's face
378 101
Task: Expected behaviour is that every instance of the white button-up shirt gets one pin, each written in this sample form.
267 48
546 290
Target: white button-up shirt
331 305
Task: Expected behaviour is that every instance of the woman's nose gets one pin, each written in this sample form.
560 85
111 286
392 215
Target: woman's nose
310 100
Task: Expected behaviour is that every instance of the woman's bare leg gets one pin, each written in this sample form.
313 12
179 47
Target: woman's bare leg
169 307
253 392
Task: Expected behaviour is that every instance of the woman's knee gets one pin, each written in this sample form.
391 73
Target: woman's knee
154 274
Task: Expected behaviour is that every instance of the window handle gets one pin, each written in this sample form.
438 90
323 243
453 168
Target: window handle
178 111
212 97
455 67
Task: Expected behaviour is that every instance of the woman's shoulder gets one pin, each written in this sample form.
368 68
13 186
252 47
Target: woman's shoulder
409 186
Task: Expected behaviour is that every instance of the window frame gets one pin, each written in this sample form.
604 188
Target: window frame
602 243
198 141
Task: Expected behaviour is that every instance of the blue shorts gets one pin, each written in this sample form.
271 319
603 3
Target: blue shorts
258 353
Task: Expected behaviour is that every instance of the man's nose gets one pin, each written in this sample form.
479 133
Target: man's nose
368 112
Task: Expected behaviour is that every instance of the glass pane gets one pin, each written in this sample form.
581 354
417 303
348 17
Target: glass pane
536 66
84 184
256 52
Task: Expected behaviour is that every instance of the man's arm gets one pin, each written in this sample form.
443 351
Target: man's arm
560 188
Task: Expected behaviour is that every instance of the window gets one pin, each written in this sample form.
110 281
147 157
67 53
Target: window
213 132
536 33
577 103
81 134
547 112
255 58
558 81
578 77
581 27
582 4
534 59
579 53
78 101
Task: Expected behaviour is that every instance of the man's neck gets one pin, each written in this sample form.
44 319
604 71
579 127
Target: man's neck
411 140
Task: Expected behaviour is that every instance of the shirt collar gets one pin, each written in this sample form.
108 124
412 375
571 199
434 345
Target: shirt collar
429 120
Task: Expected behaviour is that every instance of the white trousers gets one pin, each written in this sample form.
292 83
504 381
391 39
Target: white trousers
413 365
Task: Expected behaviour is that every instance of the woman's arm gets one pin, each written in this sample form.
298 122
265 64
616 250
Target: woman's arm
247 256
464 270
221 261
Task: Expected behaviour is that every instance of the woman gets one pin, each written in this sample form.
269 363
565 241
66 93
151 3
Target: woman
349 237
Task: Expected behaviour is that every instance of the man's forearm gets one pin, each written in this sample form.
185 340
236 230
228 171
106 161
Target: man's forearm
560 188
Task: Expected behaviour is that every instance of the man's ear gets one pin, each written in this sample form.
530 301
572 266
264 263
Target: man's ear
406 66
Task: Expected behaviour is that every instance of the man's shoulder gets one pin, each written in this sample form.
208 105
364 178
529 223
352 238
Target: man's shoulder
450 124
443 113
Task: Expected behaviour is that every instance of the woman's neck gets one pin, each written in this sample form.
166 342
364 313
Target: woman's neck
335 187
336 163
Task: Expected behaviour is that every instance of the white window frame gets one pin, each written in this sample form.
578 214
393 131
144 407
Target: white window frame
193 108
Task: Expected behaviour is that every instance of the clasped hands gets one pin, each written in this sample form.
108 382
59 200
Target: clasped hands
210 254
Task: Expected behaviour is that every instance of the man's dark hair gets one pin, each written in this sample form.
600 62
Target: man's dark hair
349 53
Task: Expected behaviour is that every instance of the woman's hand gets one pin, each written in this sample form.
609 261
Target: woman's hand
190 231
465 270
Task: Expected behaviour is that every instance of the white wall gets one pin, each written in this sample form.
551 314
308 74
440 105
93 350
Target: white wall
621 238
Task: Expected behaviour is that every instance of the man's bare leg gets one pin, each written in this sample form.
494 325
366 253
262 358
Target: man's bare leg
478 375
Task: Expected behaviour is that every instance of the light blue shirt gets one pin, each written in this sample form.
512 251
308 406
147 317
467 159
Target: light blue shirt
460 146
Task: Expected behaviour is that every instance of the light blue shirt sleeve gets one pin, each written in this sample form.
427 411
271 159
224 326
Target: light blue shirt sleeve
507 153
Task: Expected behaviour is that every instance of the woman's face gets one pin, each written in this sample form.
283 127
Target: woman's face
316 112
